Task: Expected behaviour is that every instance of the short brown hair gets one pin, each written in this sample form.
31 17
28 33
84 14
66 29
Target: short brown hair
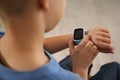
13 6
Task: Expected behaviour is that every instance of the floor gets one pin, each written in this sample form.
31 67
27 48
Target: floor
90 14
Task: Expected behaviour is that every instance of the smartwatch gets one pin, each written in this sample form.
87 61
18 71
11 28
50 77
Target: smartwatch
78 35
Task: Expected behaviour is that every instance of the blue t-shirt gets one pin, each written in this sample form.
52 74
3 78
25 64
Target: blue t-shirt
50 71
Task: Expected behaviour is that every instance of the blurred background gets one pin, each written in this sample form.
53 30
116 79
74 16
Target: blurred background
90 14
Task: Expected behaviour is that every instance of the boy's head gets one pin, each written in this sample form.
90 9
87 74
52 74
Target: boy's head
13 7
52 10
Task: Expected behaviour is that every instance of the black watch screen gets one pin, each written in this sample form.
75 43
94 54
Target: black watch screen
78 34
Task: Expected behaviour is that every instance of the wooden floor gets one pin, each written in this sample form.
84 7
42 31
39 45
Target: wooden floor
90 14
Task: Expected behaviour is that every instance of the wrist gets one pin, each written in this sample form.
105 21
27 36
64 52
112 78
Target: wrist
82 72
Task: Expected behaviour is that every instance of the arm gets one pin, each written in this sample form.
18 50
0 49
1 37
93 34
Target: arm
99 36
58 43
82 56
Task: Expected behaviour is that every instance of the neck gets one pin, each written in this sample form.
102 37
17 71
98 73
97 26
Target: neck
24 39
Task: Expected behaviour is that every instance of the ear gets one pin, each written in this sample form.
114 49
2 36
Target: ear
44 4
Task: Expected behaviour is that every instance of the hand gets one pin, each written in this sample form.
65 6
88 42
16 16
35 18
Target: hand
102 39
82 55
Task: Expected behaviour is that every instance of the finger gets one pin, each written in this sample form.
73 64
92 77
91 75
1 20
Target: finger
103 45
88 46
103 30
94 51
104 34
107 51
97 51
103 39
83 42
71 46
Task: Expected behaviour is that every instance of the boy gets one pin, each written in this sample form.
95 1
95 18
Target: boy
22 47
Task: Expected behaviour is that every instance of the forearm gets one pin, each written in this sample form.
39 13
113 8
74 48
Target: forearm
58 43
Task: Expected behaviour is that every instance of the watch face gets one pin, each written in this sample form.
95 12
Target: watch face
78 34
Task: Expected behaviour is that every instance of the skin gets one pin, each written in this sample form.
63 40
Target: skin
82 56
22 47
24 38
60 43
102 39
99 36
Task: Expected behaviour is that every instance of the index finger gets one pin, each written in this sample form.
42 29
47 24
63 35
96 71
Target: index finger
104 30
84 42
